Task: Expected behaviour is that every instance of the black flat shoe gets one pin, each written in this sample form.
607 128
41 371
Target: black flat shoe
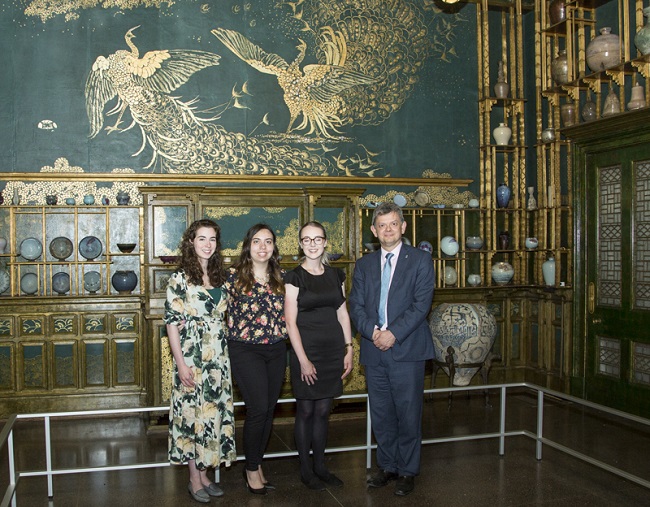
314 483
255 491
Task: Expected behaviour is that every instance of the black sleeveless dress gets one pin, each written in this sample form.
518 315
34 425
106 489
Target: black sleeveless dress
322 336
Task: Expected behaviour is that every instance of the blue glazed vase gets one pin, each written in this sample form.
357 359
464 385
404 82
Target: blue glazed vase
503 195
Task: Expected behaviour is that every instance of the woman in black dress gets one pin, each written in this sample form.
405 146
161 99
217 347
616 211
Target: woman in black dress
321 338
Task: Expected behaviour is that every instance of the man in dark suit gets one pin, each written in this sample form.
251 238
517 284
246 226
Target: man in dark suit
395 344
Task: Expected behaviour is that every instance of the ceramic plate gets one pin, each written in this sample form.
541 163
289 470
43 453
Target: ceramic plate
61 283
31 249
421 198
61 248
92 281
90 247
400 200
29 283
5 281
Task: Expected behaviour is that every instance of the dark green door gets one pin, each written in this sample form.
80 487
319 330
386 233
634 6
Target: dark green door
617 371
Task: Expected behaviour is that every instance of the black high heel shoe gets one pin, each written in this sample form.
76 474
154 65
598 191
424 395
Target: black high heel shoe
255 491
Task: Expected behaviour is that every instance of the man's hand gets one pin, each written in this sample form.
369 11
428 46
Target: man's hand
383 340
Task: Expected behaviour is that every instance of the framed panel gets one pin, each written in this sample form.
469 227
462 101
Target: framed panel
64 364
34 365
159 281
6 326
94 323
125 362
7 367
31 325
64 324
125 322
169 223
95 362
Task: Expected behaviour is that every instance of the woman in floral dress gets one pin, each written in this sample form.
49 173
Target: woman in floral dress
201 422
257 343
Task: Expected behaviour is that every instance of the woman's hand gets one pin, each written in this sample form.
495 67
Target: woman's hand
348 362
186 375
308 373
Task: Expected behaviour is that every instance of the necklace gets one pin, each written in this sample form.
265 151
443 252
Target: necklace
261 279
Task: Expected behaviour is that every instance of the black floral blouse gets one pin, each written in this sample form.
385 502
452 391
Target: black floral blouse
256 316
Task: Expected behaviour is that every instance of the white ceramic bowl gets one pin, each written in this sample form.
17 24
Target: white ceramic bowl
31 249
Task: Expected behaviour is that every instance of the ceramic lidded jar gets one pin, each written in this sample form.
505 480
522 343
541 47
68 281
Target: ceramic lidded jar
531 243
642 37
604 50
123 198
502 134
474 280
560 68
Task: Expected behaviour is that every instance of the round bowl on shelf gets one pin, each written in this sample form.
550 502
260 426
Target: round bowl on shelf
61 283
474 279
92 281
531 243
61 248
473 203
29 283
90 247
474 242
31 249
334 256
169 259
126 247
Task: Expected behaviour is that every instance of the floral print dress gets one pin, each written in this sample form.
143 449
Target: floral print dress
201 419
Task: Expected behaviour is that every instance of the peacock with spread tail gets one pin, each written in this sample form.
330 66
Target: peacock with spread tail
182 140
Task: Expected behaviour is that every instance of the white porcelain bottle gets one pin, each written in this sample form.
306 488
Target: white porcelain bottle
502 134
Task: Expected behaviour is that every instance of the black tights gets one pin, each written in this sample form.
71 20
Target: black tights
310 432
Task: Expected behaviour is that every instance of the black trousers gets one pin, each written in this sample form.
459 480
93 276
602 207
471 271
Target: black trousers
259 371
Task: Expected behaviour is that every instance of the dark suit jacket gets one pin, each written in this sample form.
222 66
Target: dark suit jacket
409 303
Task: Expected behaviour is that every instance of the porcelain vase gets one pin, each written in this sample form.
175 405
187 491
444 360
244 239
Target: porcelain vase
502 273
560 68
503 195
501 87
470 329
603 51
569 114
502 134
637 98
612 105
556 11
548 270
124 281
642 37
588 112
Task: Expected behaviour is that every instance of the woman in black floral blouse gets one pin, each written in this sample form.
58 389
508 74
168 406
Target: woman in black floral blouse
257 343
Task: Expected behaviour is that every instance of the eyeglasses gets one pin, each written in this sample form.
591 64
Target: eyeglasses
306 241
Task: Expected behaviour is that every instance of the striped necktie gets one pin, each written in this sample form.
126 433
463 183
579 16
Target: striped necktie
385 284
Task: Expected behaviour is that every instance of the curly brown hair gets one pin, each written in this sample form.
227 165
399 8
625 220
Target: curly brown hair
189 261
244 265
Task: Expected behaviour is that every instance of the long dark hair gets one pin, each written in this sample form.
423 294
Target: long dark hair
244 265
189 261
